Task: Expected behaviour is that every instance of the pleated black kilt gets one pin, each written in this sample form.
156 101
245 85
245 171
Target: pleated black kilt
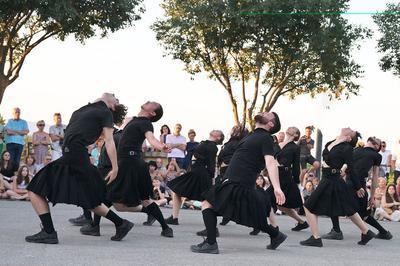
192 184
244 205
290 189
133 183
331 197
71 179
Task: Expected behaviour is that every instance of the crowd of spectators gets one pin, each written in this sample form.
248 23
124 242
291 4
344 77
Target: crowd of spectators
46 147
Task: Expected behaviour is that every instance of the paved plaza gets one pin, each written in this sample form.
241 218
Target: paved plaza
145 246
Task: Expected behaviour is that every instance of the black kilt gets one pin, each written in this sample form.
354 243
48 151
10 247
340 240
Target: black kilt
71 179
244 205
331 197
192 184
361 203
133 183
290 189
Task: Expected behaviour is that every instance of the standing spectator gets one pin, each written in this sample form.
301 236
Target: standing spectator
7 169
2 145
190 147
164 131
398 187
384 169
281 137
177 142
306 144
57 137
16 129
41 141
396 166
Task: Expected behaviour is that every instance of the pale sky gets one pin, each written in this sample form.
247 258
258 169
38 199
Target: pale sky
62 76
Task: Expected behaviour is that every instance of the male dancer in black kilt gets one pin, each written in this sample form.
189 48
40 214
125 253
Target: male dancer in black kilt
132 189
364 159
235 198
72 179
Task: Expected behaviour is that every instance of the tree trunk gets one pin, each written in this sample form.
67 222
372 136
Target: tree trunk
4 82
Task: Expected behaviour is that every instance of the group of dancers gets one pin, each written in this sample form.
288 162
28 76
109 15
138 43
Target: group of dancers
125 183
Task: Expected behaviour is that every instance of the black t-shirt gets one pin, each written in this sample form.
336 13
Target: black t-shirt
289 156
133 135
9 170
364 159
206 154
86 125
339 155
248 160
227 151
303 144
104 160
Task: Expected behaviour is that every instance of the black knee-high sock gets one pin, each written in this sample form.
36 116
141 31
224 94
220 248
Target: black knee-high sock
87 214
210 221
270 230
113 217
97 218
155 211
371 221
47 223
335 224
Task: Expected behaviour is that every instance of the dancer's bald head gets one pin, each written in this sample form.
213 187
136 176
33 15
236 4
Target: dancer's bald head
110 100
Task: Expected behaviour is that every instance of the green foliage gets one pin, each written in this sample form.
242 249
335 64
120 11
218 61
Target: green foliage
389 43
24 24
2 120
282 47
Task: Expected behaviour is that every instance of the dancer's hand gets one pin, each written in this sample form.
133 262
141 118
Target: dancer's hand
360 193
280 196
111 176
166 148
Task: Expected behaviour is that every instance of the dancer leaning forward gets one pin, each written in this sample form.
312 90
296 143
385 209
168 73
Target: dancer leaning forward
332 197
131 191
72 179
235 198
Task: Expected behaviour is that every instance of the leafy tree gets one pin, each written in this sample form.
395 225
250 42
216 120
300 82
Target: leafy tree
389 44
24 24
259 50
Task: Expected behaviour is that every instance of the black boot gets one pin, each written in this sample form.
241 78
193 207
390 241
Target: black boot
205 247
172 220
43 237
90 230
276 241
365 238
122 230
254 232
150 220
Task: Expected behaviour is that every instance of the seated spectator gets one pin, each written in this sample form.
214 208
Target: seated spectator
19 184
3 190
173 171
308 189
95 151
390 205
315 182
30 163
41 141
164 131
191 204
47 160
159 195
7 169
153 169
380 191
162 170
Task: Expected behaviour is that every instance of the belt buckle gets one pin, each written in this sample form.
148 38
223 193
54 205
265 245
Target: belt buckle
66 149
335 171
131 153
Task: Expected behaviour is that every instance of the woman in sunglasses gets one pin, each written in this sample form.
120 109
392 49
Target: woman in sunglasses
40 140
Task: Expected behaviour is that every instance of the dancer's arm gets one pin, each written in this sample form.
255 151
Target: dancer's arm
272 167
111 152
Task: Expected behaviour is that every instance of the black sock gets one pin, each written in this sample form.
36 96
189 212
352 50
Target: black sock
155 211
371 221
47 223
96 220
87 214
113 217
335 224
270 230
210 221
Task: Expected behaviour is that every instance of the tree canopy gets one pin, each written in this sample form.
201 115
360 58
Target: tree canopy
389 44
24 24
259 50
